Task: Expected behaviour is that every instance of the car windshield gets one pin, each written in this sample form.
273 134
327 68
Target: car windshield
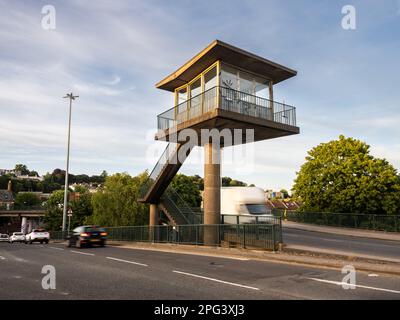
18 234
39 230
257 209
94 229
3 236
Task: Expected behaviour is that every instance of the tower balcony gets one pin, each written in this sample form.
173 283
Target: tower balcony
225 108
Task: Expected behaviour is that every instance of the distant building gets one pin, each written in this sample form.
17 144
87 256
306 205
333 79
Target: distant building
282 204
19 176
270 194
91 187
6 197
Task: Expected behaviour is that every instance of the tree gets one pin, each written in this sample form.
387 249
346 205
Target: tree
115 204
54 210
23 169
27 199
81 209
188 189
341 176
229 182
285 193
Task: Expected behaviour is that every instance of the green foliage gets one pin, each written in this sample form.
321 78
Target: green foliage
341 176
188 187
116 203
27 199
228 182
54 211
285 193
23 169
81 209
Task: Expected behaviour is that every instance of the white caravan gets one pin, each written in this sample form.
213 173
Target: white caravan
244 205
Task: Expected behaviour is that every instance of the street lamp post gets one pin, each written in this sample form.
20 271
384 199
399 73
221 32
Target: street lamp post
71 97
69 219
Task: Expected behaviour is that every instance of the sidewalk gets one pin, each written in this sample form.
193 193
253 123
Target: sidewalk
392 236
331 260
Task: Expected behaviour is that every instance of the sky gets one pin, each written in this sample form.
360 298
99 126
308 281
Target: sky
111 54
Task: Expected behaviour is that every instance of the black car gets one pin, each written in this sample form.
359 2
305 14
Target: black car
87 236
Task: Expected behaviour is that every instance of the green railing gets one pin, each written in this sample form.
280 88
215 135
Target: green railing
261 236
389 223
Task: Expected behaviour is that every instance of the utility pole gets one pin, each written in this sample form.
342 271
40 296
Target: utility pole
71 97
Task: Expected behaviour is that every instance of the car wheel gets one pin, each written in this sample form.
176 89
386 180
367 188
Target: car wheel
46 242
30 241
102 244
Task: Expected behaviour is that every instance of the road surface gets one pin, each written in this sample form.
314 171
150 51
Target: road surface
120 273
317 240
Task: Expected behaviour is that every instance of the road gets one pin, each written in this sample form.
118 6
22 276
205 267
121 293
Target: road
120 273
364 246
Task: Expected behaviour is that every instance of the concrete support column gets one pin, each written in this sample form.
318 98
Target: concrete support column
153 215
212 192
271 97
24 225
153 221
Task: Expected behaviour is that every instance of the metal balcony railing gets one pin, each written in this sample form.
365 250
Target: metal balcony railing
230 100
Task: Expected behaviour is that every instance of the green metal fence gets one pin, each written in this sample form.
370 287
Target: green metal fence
264 236
261 236
389 223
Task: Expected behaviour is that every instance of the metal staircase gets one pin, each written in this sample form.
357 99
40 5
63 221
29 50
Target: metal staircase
164 171
156 189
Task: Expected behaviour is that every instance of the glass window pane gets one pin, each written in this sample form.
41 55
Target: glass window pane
246 83
229 77
195 94
182 95
210 79
182 98
262 90
195 88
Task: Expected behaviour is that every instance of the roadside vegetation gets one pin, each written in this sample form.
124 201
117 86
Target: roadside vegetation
342 176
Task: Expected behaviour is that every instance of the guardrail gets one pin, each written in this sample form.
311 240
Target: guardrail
388 223
261 236
230 100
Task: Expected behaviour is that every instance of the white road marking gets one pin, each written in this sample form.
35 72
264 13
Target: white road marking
373 275
2 258
216 280
131 262
85 253
356 285
56 248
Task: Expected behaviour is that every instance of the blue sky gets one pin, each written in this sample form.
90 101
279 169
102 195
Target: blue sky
112 53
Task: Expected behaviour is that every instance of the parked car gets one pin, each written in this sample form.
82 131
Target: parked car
4 237
87 236
17 237
37 235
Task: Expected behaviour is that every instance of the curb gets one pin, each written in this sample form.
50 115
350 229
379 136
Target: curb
299 257
379 235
